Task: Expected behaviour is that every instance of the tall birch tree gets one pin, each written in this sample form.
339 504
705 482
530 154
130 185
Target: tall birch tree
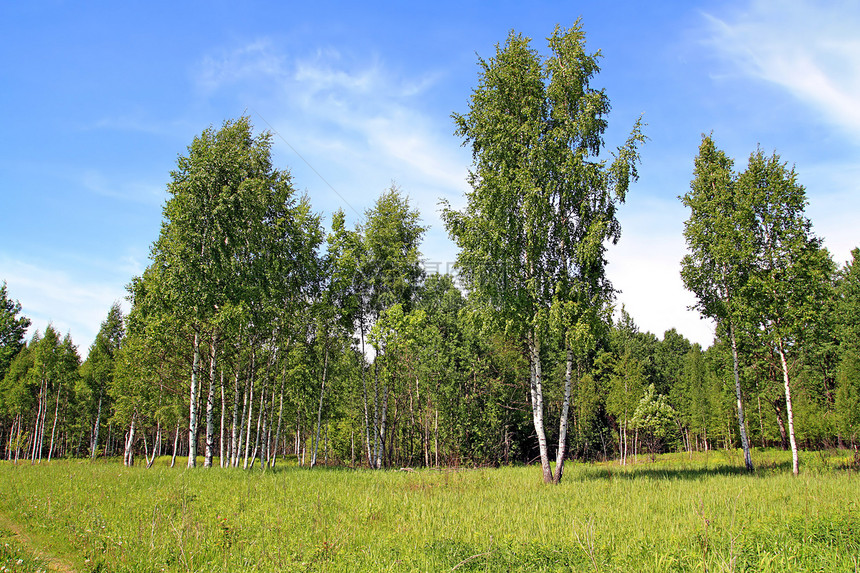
791 270
391 273
717 267
542 207
225 219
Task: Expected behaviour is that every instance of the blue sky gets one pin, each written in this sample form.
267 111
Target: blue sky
98 100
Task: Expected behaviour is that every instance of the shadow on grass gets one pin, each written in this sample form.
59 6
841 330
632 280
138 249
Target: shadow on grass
655 472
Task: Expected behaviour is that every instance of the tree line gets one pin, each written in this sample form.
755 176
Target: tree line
255 333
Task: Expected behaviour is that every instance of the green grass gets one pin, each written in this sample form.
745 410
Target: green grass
675 514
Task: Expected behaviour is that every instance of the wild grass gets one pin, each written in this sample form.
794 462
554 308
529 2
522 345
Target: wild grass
675 514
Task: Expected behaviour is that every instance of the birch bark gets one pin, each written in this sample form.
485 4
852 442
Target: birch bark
795 467
563 421
536 388
96 431
192 408
320 409
210 404
54 425
742 422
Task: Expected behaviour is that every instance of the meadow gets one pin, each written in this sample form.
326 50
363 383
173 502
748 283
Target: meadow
674 514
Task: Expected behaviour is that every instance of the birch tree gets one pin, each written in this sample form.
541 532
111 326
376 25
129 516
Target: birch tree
17 398
625 391
226 222
46 374
790 268
542 207
98 370
391 272
717 267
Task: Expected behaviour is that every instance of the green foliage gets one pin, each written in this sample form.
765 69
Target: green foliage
225 208
626 385
542 206
543 203
12 330
391 257
717 267
97 372
790 269
847 402
655 420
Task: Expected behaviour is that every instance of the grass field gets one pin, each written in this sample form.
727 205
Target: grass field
674 514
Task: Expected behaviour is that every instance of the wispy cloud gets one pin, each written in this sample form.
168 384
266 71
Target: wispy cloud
72 303
253 62
833 205
139 122
372 111
134 191
811 49
354 119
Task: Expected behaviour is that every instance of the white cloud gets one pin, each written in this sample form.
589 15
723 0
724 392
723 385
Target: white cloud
645 267
834 203
71 302
811 49
140 122
251 62
134 191
356 122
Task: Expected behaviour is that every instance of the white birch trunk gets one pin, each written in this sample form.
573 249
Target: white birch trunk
9 443
742 423
536 388
795 465
264 440
298 443
436 438
234 428
128 454
11 436
259 424
209 451
95 447
36 442
241 427
377 461
54 425
280 419
320 409
364 395
248 429
155 443
175 446
42 425
18 439
562 426
221 459
192 408
382 426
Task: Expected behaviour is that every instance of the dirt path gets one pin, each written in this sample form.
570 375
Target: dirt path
26 542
